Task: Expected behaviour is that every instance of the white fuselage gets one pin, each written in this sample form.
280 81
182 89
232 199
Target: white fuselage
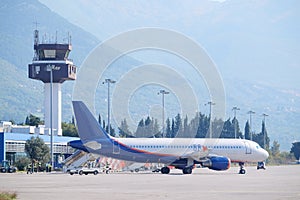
238 150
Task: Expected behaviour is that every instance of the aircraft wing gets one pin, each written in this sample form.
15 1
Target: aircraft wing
198 155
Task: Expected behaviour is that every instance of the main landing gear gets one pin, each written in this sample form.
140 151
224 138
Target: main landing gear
242 169
165 170
187 170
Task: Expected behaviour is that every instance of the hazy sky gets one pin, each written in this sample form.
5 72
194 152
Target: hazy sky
254 40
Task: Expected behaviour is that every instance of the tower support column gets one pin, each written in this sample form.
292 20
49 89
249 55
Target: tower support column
56 107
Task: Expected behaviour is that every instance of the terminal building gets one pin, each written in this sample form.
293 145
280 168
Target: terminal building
12 147
13 139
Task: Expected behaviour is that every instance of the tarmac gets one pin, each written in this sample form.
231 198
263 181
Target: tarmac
276 182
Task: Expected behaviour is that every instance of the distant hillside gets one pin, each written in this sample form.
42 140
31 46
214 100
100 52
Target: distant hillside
282 106
18 20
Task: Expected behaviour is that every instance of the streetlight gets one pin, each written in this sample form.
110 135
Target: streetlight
163 92
108 81
210 103
234 110
250 115
264 116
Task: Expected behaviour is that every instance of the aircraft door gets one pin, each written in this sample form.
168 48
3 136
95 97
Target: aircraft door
248 148
116 147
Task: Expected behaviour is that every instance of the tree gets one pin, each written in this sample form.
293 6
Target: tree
296 150
203 126
228 130
178 126
247 131
236 125
124 129
172 129
265 136
69 129
99 119
103 124
22 162
168 129
155 129
27 120
262 138
217 127
186 128
112 130
148 128
140 129
258 138
73 120
37 150
32 120
193 126
275 151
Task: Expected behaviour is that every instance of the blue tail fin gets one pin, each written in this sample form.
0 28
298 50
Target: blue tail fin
88 127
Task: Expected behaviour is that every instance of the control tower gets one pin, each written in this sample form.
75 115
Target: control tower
52 66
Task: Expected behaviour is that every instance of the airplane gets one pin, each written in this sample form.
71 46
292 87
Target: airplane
181 153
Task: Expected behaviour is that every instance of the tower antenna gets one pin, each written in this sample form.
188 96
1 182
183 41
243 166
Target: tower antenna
36 24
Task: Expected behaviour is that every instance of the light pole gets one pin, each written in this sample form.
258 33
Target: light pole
264 116
250 116
234 110
163 92
210 103
108 81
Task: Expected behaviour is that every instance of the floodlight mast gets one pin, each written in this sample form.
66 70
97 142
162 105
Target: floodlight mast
163 92
108 81
210 103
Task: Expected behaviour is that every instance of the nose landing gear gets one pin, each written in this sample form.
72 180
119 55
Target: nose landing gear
242 168
261 165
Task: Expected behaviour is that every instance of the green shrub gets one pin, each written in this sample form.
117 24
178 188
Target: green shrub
22 162
8 196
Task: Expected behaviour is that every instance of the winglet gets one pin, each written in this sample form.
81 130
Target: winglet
87 126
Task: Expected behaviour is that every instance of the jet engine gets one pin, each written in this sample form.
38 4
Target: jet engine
218 163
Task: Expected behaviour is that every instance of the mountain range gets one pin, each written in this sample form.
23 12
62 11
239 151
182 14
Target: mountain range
253 43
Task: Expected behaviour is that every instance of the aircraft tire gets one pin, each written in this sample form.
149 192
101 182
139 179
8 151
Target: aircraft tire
165 170
95 172
187 170
242 171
